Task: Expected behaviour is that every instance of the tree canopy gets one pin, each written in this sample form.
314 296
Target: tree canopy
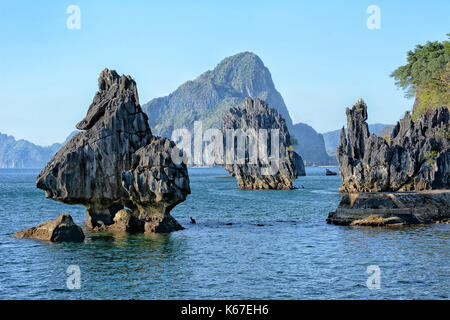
426 76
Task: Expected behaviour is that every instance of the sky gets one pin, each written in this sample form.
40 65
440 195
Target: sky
321 54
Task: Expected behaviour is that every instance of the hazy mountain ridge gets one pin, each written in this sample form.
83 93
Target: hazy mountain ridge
332 138
213 93
208 97
311 145
24 154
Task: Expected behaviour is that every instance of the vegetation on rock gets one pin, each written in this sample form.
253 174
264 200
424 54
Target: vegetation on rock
426 76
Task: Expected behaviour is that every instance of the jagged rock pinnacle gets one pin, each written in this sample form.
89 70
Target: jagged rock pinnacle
255 114
109 165
415 157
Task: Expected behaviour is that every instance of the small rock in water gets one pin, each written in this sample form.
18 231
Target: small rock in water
229 224
193 221
260 225
330 173
377 220
60 230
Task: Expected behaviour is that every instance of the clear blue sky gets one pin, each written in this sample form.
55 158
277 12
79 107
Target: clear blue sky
321 54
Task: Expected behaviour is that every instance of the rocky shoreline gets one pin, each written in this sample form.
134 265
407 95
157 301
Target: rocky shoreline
392 208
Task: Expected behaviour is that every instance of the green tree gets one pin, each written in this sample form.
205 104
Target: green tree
426 76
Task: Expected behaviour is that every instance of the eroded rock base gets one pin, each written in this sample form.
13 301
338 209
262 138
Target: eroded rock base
392 208
130 221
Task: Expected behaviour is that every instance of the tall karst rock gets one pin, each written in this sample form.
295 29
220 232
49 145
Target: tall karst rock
254 171
416 156
396 180
115 163
215 92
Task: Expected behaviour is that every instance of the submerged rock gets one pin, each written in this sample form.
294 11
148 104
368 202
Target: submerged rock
416 156
330 173
392 208
255 173
59 230
116 163
377 220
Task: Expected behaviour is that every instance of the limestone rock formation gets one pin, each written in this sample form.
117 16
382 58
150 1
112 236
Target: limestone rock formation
59 230
258 173
415 157
116 162
392 208
211 95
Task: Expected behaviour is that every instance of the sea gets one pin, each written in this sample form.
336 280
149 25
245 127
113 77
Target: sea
245 245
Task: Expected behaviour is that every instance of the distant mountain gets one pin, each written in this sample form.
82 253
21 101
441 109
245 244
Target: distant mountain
215 92
331 138
24 154
311 145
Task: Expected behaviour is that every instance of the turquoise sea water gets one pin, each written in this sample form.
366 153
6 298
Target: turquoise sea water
294 255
